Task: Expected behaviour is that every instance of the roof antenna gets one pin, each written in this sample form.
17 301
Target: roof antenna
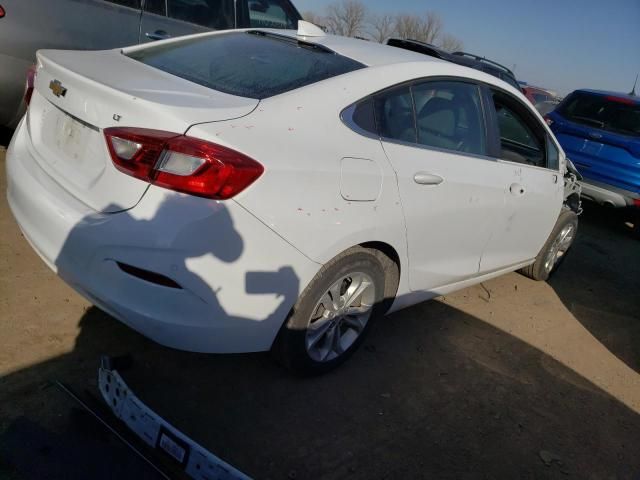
308 29
633 92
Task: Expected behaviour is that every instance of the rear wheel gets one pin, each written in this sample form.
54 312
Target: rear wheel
556 247
333 314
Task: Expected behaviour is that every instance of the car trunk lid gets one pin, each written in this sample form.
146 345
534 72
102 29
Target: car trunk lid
78 94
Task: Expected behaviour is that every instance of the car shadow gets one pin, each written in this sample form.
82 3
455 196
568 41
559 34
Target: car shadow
433 393
599 281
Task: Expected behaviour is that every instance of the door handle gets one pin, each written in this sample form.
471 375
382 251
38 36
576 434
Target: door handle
517 190
424 178
158 35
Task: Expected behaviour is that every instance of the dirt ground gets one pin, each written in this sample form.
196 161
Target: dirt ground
510 379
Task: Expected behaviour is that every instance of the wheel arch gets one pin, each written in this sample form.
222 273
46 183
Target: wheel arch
390 259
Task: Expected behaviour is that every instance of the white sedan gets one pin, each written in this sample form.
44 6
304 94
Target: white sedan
260 190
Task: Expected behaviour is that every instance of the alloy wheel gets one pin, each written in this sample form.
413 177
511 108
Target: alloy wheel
340 316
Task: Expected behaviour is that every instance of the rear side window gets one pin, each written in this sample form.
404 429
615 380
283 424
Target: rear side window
272 14
215 14
394 114
449 116
610 113
247 64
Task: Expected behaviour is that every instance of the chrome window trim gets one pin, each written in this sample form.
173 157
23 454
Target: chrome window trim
346 115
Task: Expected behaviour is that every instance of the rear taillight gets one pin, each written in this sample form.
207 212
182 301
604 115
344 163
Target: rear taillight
636 202
181 163
548 119
30 83
2 12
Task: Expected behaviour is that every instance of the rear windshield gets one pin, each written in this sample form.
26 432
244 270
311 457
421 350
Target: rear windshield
610 113
247 64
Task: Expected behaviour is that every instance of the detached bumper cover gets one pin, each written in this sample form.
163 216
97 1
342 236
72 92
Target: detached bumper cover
197 462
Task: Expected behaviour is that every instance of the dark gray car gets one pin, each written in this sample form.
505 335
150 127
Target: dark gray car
30 25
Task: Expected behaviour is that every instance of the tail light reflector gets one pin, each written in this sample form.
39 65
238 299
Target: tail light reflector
636 202
181 163
2 12
30 83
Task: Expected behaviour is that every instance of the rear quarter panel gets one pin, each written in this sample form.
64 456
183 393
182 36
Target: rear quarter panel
300 139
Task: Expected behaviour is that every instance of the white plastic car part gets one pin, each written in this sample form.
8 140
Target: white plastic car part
196 461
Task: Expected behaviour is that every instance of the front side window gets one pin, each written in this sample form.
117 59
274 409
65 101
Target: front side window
553 155
214 14
519 140
449 116
394 115
272 14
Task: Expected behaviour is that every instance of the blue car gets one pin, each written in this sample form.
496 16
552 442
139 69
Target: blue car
600 133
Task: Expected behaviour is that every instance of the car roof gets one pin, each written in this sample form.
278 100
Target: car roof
371 54
606 93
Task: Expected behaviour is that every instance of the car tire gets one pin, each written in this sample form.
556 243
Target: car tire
555 248
319 333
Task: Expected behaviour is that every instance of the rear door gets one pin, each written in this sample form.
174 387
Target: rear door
163 19
601 135
530 161
434 134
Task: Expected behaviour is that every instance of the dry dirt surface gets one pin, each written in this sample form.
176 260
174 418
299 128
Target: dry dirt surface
510 379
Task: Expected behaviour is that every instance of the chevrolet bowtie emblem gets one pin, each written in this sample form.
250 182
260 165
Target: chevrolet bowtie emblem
57 88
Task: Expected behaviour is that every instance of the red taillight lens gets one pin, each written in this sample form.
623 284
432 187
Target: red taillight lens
636 202
2 12
30 84
181 163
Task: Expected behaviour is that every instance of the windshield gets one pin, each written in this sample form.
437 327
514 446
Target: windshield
610 113
247 64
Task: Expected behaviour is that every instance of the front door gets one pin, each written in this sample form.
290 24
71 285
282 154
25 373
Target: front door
452 193
534 194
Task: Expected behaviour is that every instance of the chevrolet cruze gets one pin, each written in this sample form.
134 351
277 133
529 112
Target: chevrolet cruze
257 190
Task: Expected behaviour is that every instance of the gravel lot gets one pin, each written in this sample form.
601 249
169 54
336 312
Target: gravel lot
512 379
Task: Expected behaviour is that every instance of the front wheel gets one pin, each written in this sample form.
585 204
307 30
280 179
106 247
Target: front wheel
333 314
556 247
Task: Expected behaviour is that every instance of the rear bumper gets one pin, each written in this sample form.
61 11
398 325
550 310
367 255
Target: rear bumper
607 194
237 279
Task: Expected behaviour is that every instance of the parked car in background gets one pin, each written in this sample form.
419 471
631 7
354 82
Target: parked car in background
600 132
538 95
189 188
461 58
29 25
544 108
544 100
